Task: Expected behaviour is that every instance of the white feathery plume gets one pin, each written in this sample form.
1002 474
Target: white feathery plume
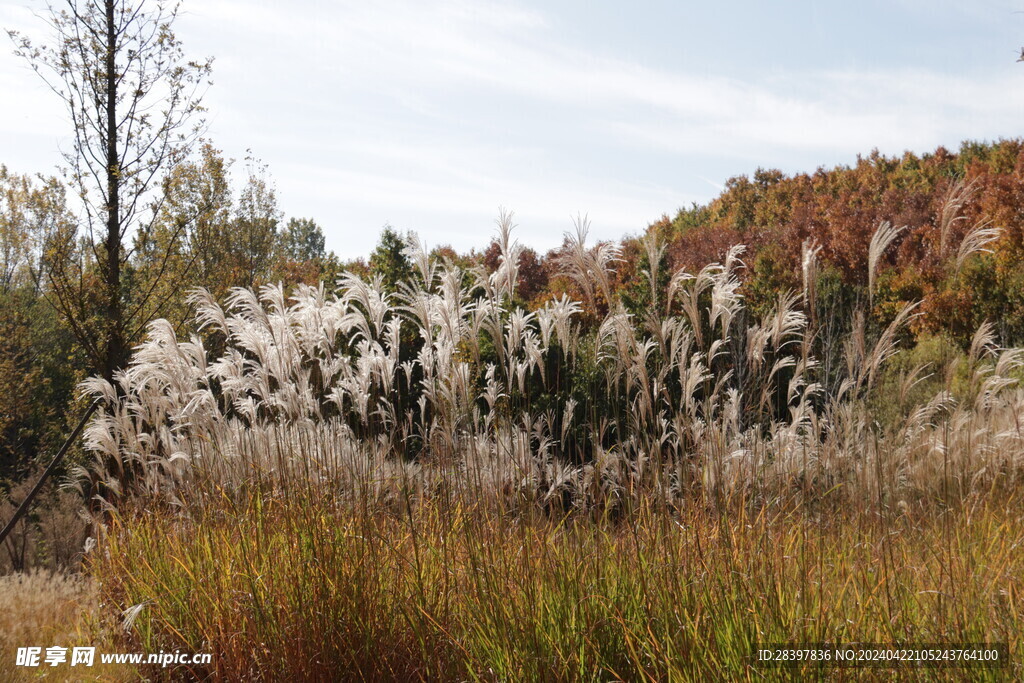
880 241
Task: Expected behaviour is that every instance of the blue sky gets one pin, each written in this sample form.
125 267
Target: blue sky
431 115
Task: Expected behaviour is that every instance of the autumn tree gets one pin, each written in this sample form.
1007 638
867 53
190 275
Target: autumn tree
39 365
134 103
32 213
188 241
532 277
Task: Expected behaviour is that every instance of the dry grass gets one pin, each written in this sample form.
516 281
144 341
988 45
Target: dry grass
306 589
44 609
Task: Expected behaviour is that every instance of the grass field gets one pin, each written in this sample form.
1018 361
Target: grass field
306 589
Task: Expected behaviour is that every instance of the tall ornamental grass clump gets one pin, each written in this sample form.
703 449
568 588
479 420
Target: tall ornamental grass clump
445 385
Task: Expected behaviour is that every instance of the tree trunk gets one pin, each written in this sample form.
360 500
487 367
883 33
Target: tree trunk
115 351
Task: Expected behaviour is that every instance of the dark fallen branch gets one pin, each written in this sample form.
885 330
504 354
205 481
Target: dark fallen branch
23 508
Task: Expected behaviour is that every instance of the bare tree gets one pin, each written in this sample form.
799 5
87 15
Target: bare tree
135 104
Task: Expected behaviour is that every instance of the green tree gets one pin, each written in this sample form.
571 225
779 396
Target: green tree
253 242
302 256
389 259
302 240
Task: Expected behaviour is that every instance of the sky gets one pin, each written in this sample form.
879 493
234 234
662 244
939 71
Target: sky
432 115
